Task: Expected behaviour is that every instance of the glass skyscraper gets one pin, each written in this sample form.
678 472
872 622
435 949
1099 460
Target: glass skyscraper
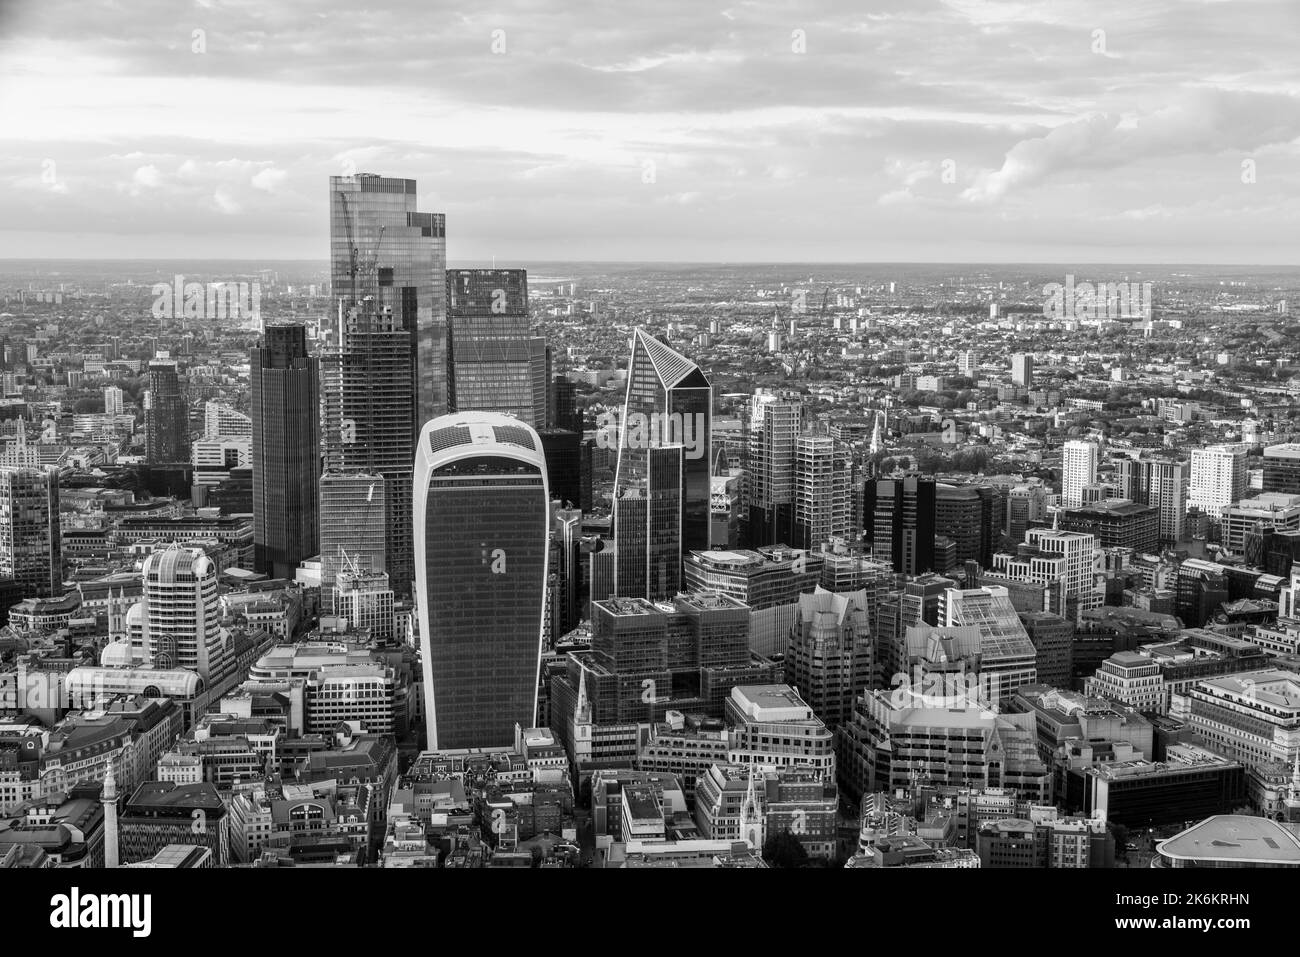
382 247
668 406
286 450
495 365
482 530
648 563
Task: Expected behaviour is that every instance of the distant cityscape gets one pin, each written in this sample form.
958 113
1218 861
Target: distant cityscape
388 562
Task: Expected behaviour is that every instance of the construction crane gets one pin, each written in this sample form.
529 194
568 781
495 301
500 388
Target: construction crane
356 264
352 246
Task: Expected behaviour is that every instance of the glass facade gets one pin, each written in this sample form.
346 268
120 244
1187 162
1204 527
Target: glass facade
381 247
286 451
495 365
669 405
482 550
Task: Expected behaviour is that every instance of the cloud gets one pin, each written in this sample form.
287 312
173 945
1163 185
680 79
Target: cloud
539 151
1204 121
269 179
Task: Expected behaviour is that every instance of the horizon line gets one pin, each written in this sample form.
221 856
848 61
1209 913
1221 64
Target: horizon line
685 262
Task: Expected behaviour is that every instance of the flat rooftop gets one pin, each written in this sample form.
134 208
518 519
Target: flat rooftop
1234 839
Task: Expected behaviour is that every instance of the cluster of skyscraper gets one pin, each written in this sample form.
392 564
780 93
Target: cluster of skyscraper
415 448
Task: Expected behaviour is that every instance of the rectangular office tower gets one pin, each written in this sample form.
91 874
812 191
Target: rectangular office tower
495 365
367 431
166 416
668 404
381 246
30 543
899 516
482 533
286 450
648 562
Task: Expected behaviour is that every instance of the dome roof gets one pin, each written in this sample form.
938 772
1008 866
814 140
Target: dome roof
116 654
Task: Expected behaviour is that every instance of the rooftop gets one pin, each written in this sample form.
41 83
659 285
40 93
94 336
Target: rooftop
1234 839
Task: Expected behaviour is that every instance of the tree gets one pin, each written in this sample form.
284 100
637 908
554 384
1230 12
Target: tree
784 850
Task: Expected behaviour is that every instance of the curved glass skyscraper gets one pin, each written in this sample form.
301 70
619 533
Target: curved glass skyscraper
482 524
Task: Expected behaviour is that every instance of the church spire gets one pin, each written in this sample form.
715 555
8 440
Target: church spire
583 709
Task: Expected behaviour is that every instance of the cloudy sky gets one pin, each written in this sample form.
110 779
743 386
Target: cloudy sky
816 130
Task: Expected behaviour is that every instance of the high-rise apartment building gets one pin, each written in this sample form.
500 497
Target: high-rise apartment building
666 425
31 552
494 364
1158 481
286 450
1217 479
1078 469
382 247
112 400
821 491
1022 370
774 428
482 536
166 416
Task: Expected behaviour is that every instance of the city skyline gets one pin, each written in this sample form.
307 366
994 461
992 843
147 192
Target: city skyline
854 484
684 134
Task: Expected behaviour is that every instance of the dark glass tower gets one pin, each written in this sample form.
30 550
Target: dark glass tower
563 465
286 450
669 404
382 247
648 563
496 366
482 536
900 522
166 417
